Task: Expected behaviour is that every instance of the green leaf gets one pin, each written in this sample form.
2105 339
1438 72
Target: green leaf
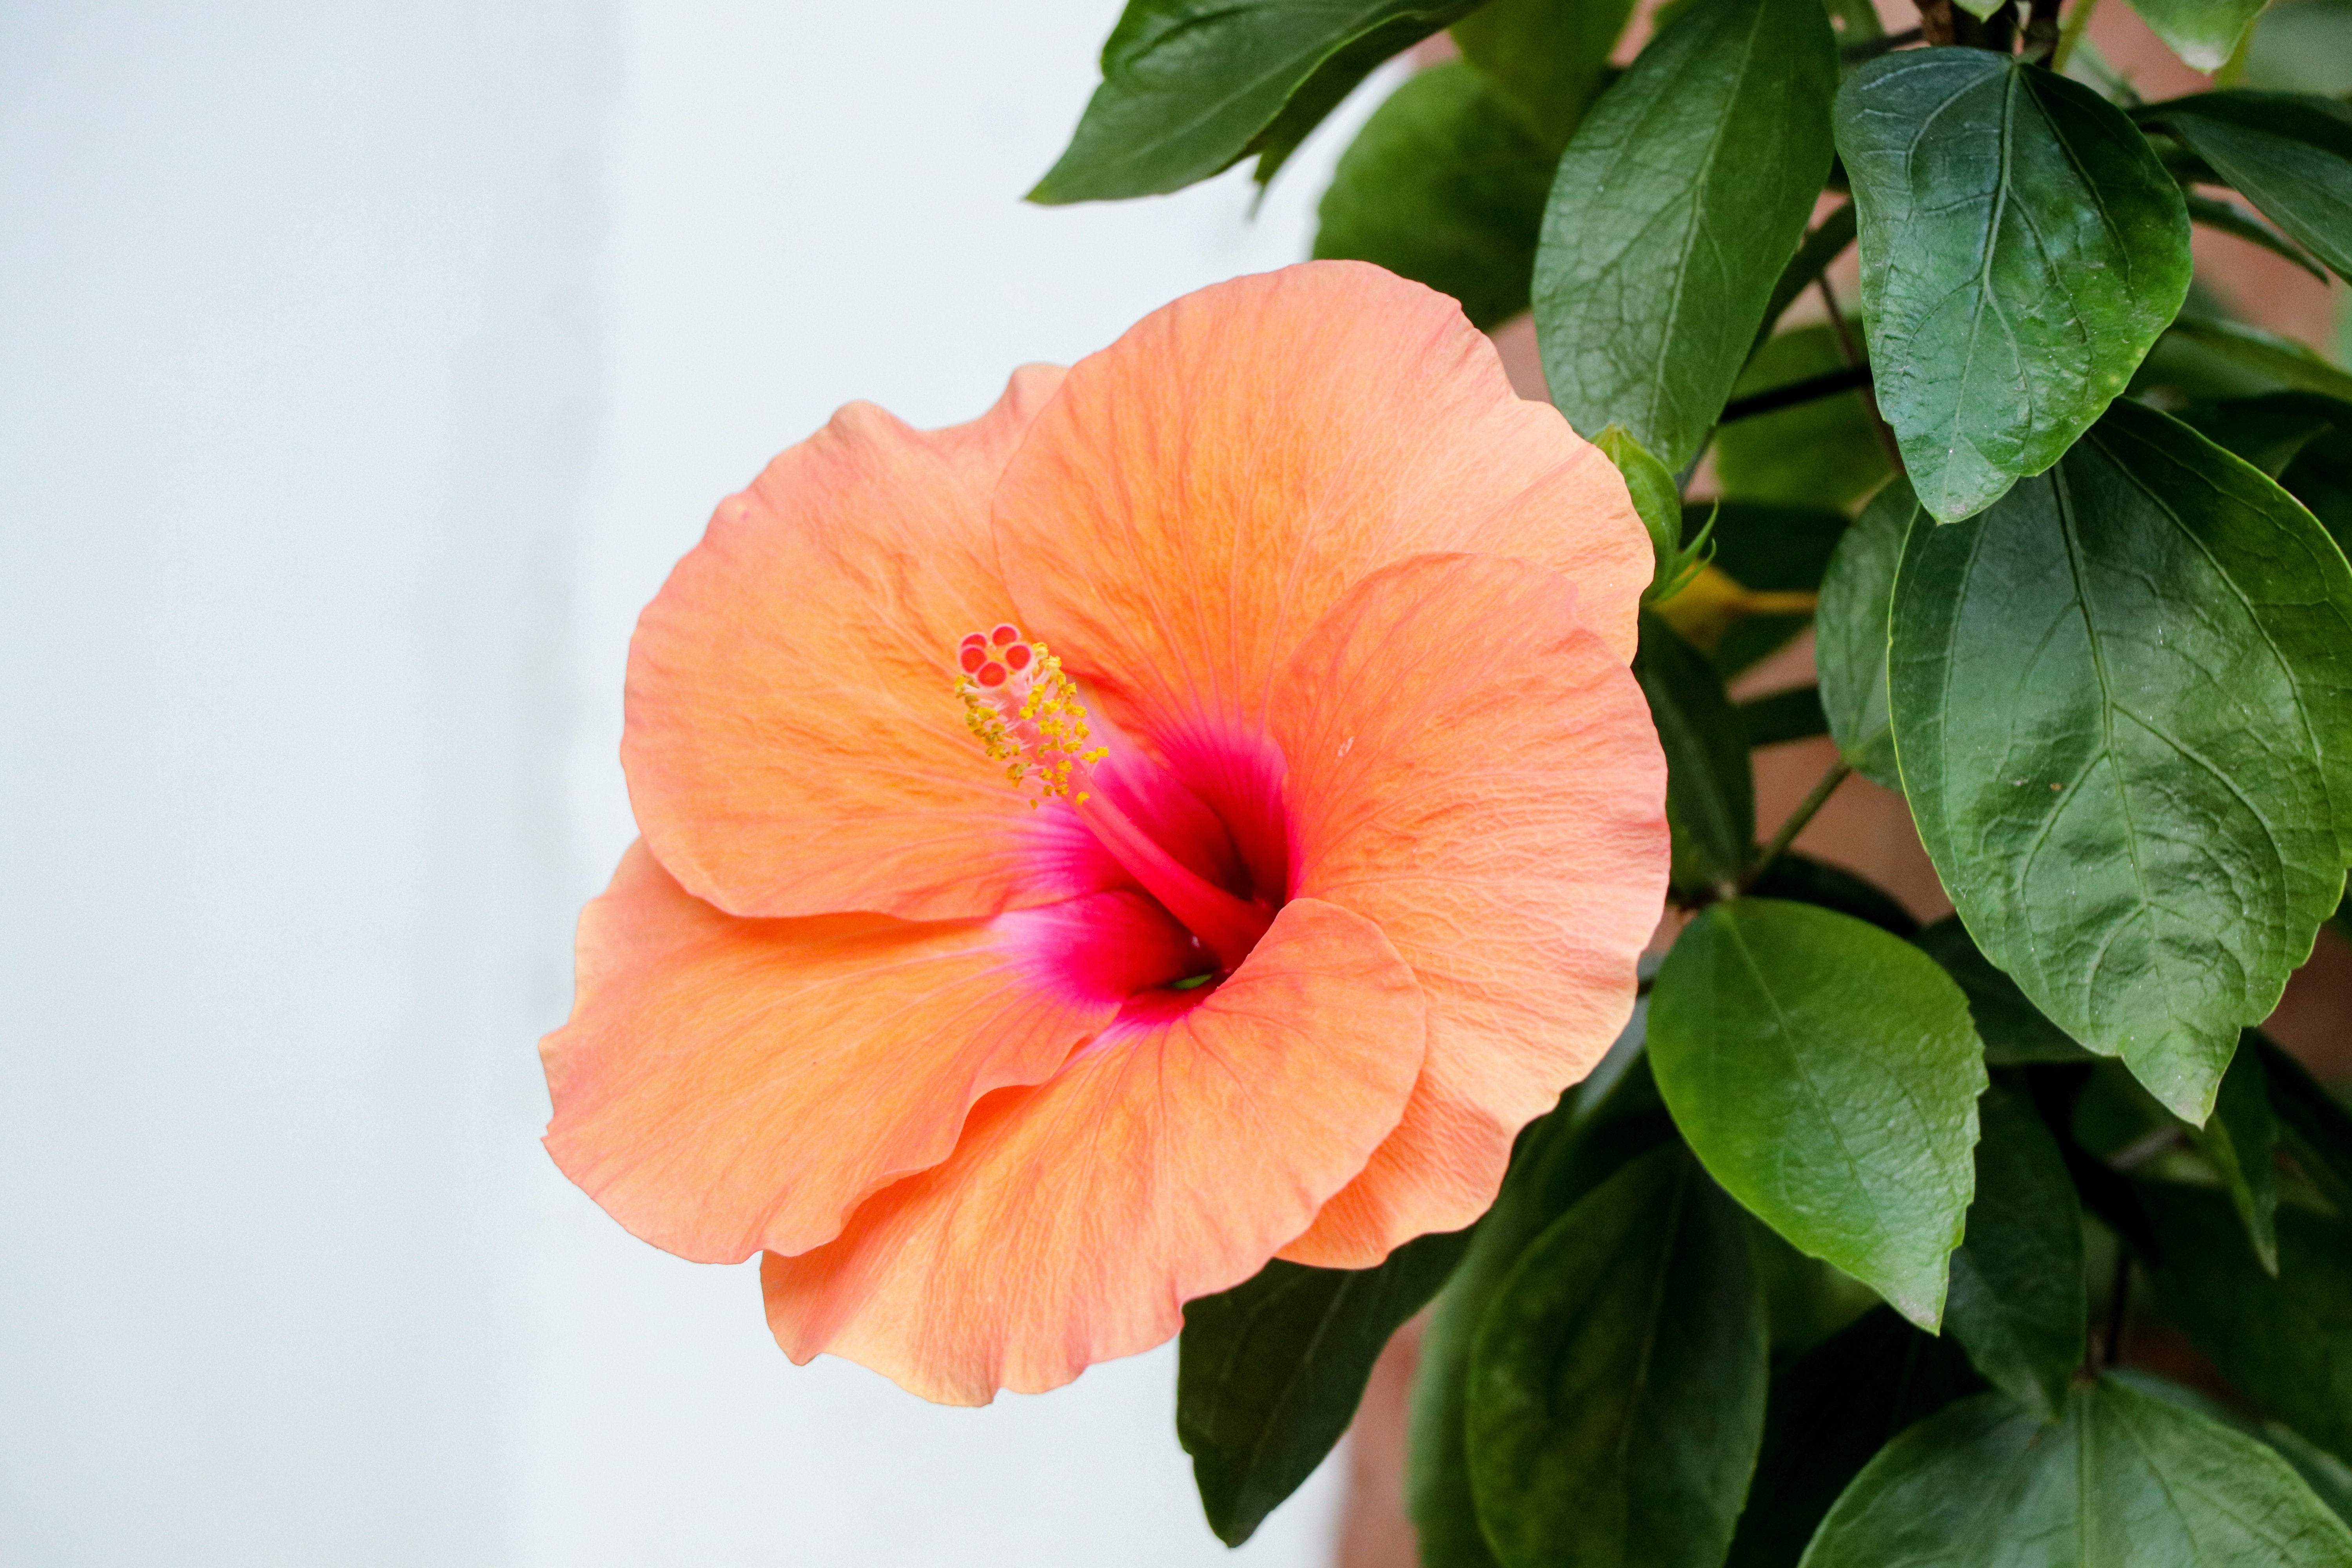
2286 1343
2303 46
2014 1032
2318 1127
1269 1373
1851 630
2017 1301
2022 249
1827 1074
1828 1413
1768 547
1190 88
2265 354
1617 1386
2122 703
1560 1158
1658 500
2204 33
2229 218
1819 454
2269 430
1783 716
2328 1477
1710 787
1822 244
2240 1142
1679 201
1445 186
1549 58
2289 155
2125 1481
1801 879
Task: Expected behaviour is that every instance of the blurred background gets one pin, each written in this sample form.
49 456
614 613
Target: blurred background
363 370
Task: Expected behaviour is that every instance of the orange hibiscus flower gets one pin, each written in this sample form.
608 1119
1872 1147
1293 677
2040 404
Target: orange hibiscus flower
1197 812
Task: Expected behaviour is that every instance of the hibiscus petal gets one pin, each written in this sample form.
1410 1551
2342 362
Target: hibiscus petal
1166 1161
793 745
1197 495
1477 774
725 1084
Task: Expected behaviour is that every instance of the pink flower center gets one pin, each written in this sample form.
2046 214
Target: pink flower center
1027 714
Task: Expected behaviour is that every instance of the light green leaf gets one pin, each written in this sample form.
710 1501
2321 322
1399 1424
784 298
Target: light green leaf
1443 186
1560 1158
2240 1142
2204 33
1658 500
1617 1386
1710 786
1678 203
2125 1481
2289 155
2017 1301
1190 88
2285 1342
2122 703
1829 1412
1548 57
2014 1032
1827 1074
2022 249
1269 1373
2303 46
1819 454
1851 630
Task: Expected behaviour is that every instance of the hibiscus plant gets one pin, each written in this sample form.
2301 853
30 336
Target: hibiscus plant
1842 1255
1252 837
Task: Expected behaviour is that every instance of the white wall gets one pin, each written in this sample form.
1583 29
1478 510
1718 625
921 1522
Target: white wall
362 367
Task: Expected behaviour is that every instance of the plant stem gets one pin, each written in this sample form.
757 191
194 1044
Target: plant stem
2072 33
1853 352
1787 834
2042 30
2119 1307
1796 391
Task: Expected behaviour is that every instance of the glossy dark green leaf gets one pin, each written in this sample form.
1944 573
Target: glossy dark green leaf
1827 1074
1829 1412
2289 155
1617 1385
1678 203
2202 32
1782 716
1191 87
1805 1300
1548 57
2014 1032
2022 249
2263 355
2122 701
2126 1481
1710 787
1445 186
1560 1159
1269 1373
2017 1301
1823 244
2240 1140
2317 1124
2320 477
1851 630
2269 430
2285 1342
1801 879
2329 1479
2229 218
1817 454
